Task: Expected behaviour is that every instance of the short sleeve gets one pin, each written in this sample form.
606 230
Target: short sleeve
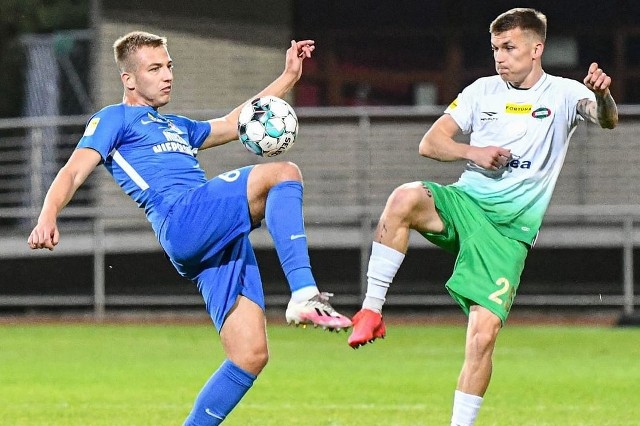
461 109
103 131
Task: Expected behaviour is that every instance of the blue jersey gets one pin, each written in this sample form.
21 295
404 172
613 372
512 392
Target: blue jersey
151 156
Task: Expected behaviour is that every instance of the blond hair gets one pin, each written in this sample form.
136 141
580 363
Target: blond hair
128 44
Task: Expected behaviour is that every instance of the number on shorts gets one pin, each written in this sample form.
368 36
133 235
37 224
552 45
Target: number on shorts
495 296
230 176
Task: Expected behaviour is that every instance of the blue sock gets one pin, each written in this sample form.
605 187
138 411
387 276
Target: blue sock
220 395
283 215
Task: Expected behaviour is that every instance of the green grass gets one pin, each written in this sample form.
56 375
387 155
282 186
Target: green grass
149 375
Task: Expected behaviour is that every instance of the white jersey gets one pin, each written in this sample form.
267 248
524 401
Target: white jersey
536 125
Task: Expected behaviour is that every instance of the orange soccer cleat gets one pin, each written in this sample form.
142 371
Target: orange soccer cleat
367 327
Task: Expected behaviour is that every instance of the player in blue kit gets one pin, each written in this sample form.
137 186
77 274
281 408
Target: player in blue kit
520 123
203 225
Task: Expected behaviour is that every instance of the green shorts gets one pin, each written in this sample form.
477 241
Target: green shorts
488 264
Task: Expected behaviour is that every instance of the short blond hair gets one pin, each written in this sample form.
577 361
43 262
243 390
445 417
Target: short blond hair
128 44
526 19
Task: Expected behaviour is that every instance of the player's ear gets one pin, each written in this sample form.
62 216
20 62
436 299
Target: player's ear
538 48
128 80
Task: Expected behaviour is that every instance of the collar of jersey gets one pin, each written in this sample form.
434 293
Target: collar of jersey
536 86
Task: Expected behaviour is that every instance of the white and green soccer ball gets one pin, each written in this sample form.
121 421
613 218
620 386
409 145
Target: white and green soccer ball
267 126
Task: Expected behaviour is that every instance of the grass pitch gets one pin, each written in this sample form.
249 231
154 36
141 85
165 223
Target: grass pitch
134 375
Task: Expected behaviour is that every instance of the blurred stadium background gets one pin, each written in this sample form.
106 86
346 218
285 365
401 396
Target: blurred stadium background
381 74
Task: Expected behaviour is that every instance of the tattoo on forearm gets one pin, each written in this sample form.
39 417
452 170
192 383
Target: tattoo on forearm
607 111
604 112
587 109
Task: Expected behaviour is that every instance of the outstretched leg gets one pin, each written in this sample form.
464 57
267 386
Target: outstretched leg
410 206
275 193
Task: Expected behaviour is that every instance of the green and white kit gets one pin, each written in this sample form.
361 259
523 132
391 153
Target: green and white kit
484 206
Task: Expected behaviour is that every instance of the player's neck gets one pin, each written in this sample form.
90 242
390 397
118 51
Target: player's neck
529 81
136 101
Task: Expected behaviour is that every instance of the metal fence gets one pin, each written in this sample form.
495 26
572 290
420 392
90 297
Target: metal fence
351 159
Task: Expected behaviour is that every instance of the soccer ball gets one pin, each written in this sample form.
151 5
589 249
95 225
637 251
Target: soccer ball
267 126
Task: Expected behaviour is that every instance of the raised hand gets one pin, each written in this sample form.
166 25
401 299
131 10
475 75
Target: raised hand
597 80
298 52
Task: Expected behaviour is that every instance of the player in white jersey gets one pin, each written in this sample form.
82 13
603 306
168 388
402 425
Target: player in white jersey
535 125
520 123
203 225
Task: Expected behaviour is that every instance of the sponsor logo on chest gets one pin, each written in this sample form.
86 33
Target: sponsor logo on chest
175 143
518 109
512 109
172 134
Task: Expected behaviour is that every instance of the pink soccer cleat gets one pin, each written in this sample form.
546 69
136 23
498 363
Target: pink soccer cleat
367 327
317 311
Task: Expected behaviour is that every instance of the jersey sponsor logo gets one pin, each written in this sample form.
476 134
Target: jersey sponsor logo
488 116
540 113
518 163
174 143
174 137
91 127
453 104
173 147
511 108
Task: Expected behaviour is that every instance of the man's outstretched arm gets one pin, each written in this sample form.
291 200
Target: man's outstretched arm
64 186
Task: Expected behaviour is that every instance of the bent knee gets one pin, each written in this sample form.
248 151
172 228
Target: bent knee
260 360
288 171
270 174
253 361
265 176
409 198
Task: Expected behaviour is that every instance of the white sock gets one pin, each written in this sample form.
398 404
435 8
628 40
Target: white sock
383 265
304 293
465 409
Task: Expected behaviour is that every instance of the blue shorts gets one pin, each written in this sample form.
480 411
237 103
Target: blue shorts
206 237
